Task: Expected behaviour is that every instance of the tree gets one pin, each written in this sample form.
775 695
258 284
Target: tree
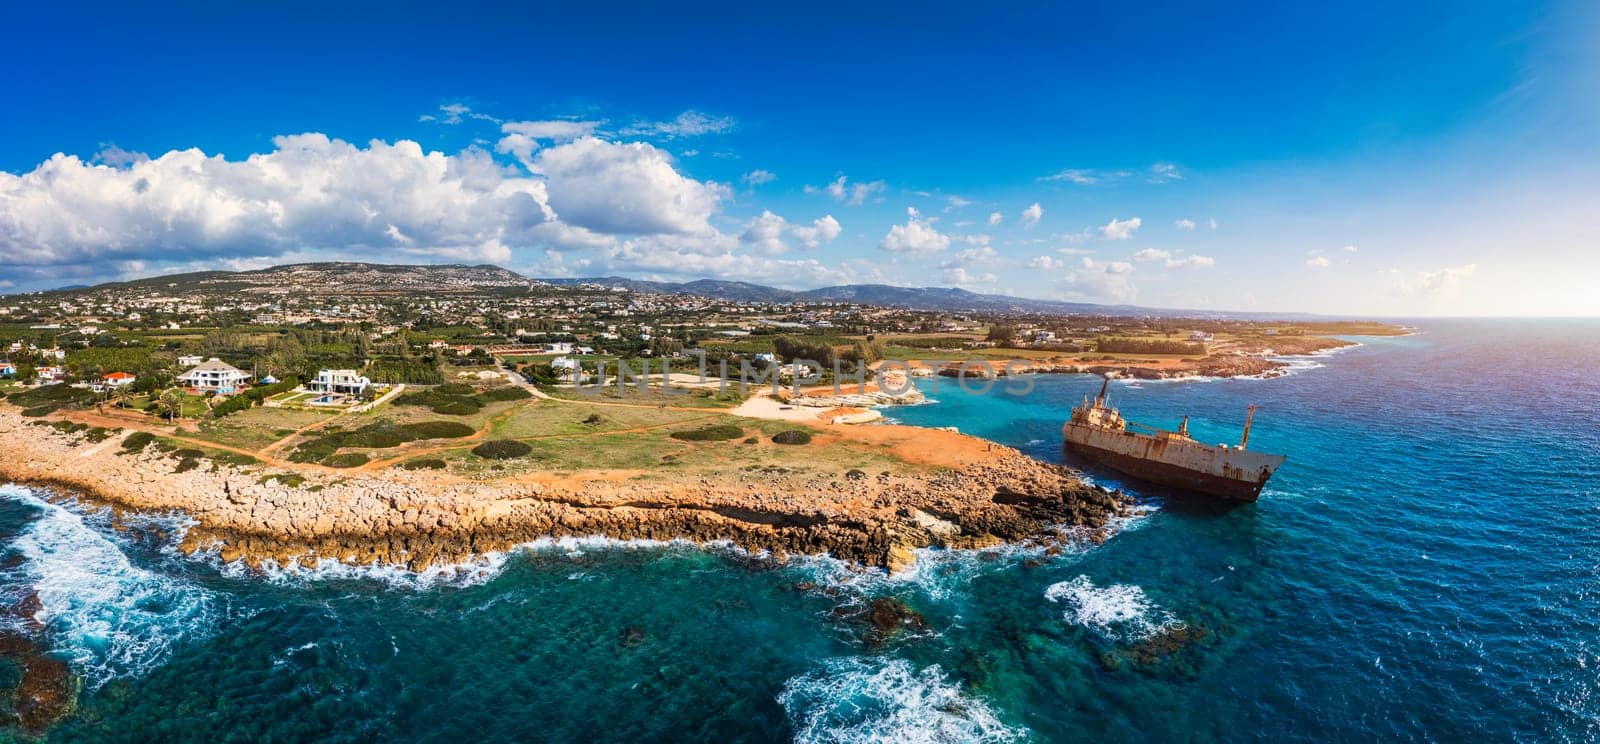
1002 334
171 405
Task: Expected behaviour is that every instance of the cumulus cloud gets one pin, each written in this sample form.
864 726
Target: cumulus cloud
1184 224
312 192
521 138
1318 262
687 124
767 233
1119 229
978 254
995 218
844 192
1173 260
621 206
1099 281
630 188
917 236
1046 263
1031 215
758 177
960 277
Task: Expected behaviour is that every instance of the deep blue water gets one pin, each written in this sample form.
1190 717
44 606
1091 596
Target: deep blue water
1424 567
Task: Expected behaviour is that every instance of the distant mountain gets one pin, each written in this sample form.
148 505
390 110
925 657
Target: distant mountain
942 299
335 278
350 278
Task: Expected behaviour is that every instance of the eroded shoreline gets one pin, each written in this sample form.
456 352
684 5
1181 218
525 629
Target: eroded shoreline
403 518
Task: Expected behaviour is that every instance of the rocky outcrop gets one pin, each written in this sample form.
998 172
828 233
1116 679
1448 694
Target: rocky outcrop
416 519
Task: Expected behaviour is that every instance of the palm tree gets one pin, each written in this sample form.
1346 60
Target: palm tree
171 405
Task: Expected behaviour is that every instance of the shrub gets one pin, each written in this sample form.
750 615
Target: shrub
100 434
792 436
713 433
502 449
186 464
462 407
137 441
501 394
442 403
427 463
592 419
439 430
346 460
453 388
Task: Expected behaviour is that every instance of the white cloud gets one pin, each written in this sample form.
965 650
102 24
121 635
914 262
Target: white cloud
1078 176
1429 283
1164 172
979 254
1031 215
821 230
759 176
766 233
1100 281
310 193
1211 222
1318 262
453 113
687 124
956 202
995 218
630 188
847 193
1120 229
917 236
521 138
1184 224
1191 262
1046 263
1350 249
960 277
1173 261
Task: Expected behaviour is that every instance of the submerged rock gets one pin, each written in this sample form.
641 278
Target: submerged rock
46 691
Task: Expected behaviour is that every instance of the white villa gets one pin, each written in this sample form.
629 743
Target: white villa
566 368
214 374
339 381
190 360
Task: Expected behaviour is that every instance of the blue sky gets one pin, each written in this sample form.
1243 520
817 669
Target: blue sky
1435 158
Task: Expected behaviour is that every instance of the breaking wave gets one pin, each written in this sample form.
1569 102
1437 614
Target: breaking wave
864 699
1119 612
477 570
109 617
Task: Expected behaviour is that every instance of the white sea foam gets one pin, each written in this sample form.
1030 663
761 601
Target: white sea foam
108 616
1119 612
875 699
941 574
477 570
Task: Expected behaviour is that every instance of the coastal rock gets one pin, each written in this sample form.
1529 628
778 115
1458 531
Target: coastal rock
398 518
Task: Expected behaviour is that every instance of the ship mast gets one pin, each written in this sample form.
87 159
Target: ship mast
1249 416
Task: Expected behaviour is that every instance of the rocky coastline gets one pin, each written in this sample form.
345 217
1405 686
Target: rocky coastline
261 514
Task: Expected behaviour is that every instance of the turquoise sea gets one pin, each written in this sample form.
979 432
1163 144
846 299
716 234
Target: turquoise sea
1425 567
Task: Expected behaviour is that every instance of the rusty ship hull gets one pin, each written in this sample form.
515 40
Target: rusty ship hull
1222 472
